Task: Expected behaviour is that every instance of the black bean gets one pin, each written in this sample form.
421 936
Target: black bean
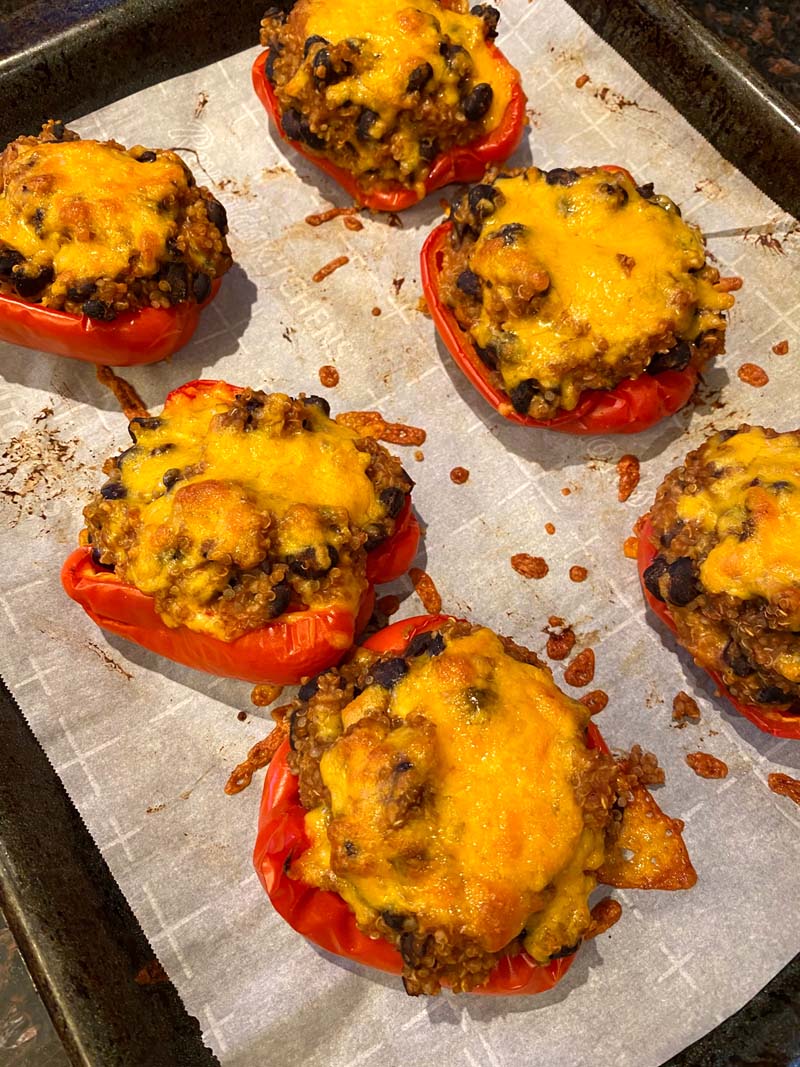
430 643
307 564
177 277
726 435
29 285
283 595
350 848
387 673
403 766
113 491
322 67
217 215
160 450
311 41
509 233
560 176
57 131
409 949
490 16
366 120
651 577
522 394
669 535
296 128
428 149
275 49
645 191
617 191
201 287
771 694
319 402
469 282
481 199
147 157
451 51
568 951
477 102
171 476
394 920
393 499
98 309
143 423
737 660
682 586
96 554
419 78
37 221
375 536
781 486
308 689
677 358
486 355
80 292
9 258
275 12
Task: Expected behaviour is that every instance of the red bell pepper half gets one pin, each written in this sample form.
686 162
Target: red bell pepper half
633 405
324 917
284 651
770 720
146 335
462 163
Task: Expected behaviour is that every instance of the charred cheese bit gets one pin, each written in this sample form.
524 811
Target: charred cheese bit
753 507
95 208
217 494
581 279
466 816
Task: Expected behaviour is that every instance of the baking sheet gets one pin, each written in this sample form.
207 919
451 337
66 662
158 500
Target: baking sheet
144 747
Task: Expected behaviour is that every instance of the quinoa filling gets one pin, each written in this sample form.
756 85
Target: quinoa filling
727 528
453 803
95 229
232 508
383 87
569 280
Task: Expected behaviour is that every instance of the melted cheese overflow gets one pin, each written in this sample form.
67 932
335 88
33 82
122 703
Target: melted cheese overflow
93 228
382 87
454 804
235 506
727 529
570 280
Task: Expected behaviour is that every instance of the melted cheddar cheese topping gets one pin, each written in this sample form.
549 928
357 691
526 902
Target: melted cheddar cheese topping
752 507
92 209
588 275
392 90
217 497
490 837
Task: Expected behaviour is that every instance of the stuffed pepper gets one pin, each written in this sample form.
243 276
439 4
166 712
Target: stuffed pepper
441 810
392 99
719 559
575 299
242 534
107 254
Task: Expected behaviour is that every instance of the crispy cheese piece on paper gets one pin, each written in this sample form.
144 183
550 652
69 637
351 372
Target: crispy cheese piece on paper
649 852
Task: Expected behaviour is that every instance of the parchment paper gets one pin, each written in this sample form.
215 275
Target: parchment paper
144 747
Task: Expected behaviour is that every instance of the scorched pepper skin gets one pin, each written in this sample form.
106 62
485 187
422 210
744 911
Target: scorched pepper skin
770 720
633 405
146 335
462 163
323 917
284 651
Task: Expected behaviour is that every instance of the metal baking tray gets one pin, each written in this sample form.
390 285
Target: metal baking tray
76 931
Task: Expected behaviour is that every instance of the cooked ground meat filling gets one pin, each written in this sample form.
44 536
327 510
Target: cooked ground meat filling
95 229
383 87
567 280
454 804
233 508
727 528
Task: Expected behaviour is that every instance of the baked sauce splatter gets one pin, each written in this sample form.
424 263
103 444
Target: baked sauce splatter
376 311
630 547
628 471
781 348
128 399
529 566
785 786
594 701
707 766
264 695
373 424
459 475
578 574
331 213
260 754
581 671
549 528
329 268
752 374
560 642
328 376
581 81
604 914
426 590
684 709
